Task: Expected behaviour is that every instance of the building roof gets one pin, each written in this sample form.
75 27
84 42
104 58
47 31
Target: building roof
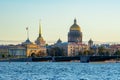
27 42
4 46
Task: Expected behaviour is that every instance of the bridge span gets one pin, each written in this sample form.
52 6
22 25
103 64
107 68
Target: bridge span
80 58
83 59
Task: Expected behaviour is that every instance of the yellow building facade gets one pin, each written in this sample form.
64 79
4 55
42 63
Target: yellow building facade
36 49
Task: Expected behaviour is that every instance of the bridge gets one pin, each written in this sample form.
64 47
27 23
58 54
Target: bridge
80 58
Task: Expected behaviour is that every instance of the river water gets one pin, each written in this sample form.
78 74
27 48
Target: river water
59 71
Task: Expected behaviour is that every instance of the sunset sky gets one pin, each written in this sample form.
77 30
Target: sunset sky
98 19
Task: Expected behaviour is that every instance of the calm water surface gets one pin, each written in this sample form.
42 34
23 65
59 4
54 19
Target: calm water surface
59 71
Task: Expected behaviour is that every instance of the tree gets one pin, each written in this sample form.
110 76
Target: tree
52 52
117 52
107 53
85 52
101 50
9 55
3 56
80 53
56 51
91 52
46 44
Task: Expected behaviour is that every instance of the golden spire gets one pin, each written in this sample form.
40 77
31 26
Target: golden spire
40 32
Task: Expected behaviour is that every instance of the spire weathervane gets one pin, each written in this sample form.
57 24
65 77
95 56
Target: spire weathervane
27 33
75 21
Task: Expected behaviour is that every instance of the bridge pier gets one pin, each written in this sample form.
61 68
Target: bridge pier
53 59
84 59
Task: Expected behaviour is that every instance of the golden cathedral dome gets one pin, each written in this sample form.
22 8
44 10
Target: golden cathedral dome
75 26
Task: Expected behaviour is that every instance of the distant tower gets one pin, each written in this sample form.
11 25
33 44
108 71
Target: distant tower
90 43
75 34
40 41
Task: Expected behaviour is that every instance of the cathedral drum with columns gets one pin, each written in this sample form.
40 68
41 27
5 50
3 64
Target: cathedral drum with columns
75 45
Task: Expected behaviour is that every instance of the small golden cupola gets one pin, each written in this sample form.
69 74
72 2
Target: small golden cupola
75 26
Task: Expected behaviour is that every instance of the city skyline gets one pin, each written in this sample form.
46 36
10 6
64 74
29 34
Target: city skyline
98 20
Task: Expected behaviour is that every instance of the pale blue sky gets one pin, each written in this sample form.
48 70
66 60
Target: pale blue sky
98 19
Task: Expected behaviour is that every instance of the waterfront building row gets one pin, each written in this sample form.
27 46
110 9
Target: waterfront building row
73 47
